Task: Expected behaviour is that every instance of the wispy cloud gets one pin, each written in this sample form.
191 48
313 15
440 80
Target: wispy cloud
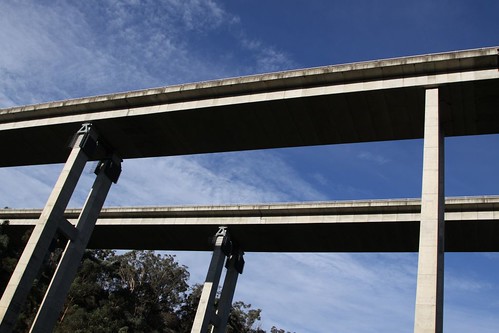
27 187
245 177
343 288
60 50
371 157
268 59
466 285
249 177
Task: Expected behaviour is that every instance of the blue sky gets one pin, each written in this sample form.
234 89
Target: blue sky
52 50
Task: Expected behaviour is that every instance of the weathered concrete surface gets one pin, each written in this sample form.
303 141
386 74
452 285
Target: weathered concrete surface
429 291
367 101
472 224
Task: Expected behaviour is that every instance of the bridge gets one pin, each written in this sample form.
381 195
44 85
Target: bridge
472 225
431 97
359 102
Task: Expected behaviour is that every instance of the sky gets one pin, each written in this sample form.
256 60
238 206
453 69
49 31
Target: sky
53 50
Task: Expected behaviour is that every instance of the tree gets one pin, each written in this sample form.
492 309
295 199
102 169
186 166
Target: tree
242 319
278 330
137 291
10 252
8 258
187 311
91 305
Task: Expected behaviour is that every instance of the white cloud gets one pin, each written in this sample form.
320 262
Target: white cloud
245 177
376 158
456 283
60 50
344 290
267 58
490 255
27 187
320 178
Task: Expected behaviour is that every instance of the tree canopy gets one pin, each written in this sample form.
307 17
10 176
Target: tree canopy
136 291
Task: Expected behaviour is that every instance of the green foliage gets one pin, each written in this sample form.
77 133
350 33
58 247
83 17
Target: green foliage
277 330
10 252
8 256
137 291
242 319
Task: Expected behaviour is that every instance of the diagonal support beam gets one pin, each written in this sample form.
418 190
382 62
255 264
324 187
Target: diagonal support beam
234 267
68 265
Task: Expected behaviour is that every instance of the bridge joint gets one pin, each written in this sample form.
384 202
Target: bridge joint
68 229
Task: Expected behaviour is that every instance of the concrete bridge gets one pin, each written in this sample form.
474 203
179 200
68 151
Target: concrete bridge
430 97
472 225
359 102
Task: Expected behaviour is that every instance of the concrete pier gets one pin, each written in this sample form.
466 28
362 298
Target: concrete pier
51 221
235 264
429 294
67 268
207 313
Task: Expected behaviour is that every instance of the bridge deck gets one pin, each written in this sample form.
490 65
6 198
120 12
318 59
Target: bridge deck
367 101
472 224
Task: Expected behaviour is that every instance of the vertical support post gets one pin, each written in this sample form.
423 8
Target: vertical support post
206 308
107 172
429 293
50 220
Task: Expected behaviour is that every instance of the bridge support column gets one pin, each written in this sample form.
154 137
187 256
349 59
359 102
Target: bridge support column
235 265
207 313
52 221
429 293
107 172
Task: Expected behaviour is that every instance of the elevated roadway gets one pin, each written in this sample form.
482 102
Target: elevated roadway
430 97
359 102
472 224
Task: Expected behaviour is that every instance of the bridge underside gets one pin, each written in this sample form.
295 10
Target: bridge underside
372 101
345 237
472 225
379 115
